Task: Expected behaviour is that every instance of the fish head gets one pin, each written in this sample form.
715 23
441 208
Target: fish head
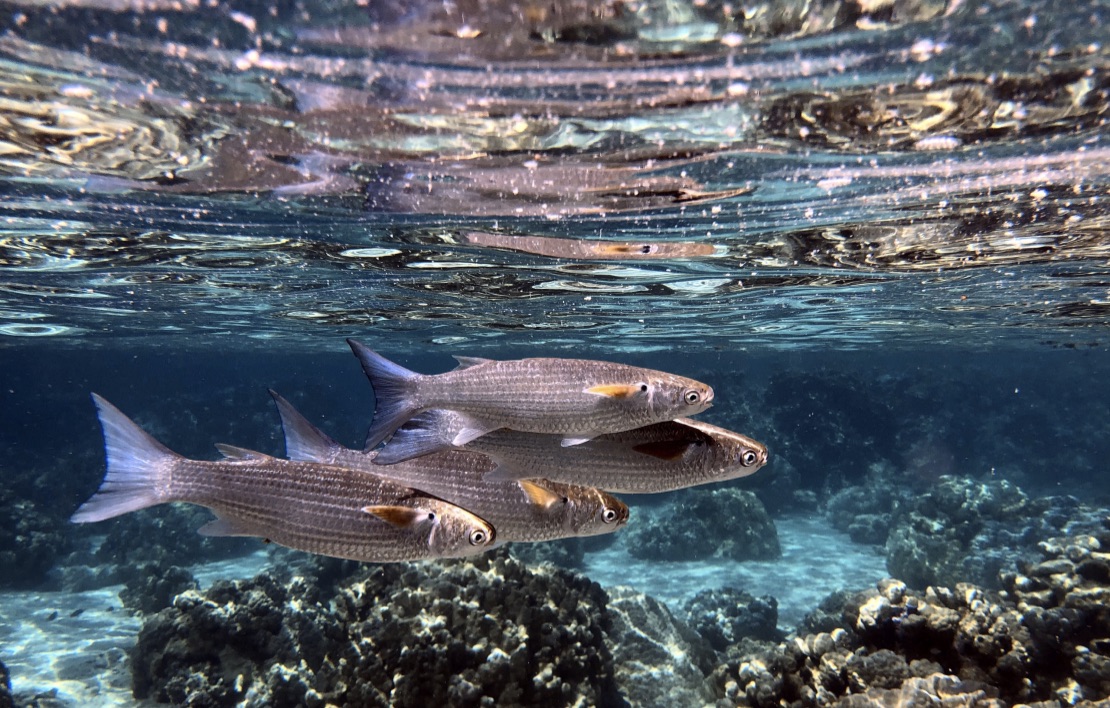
592 512
454 532
679 396
726 454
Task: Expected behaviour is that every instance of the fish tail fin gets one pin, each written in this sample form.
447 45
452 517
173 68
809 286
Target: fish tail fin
392 386
137 465
303 440
422 435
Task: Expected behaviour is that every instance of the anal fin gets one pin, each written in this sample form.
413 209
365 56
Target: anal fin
571 441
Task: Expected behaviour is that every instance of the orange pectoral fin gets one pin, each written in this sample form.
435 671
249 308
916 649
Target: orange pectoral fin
539 495
615 390
400 516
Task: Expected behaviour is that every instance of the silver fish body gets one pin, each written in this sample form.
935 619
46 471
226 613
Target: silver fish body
575 398
308 506
661 457
534 510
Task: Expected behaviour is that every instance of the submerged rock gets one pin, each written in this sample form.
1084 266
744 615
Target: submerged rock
722 523
932 690
728 615
865 512
1044 639
486 632
155 588
658 659
965 530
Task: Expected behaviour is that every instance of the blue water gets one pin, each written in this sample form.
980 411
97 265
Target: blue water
879 230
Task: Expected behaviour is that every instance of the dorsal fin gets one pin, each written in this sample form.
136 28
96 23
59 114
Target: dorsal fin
303 440
232 452
465 362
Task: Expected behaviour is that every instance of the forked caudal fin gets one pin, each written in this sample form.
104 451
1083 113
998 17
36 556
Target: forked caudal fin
136 463
303 440
392 385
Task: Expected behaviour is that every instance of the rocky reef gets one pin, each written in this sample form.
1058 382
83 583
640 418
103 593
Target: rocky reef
700 523
657 658
965 530
154 587
1043 639
726 616
486 632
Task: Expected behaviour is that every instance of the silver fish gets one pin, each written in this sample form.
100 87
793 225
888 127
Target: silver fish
311 507
534 510
576 398
655 458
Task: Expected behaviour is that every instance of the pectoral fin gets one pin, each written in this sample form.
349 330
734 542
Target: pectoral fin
616 390
403 517
571 442
502 473
663 449
540 496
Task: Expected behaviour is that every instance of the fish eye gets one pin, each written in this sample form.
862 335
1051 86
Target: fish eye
431 516
691 397
609 515
749 458
643 388
477 537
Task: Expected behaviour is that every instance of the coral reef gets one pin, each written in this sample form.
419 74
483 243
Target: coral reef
1045 638
484 632
933 690
965 530
727 615
658 660
1064 601
722 523
155 587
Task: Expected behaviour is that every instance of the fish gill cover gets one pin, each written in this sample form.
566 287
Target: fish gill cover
877 228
